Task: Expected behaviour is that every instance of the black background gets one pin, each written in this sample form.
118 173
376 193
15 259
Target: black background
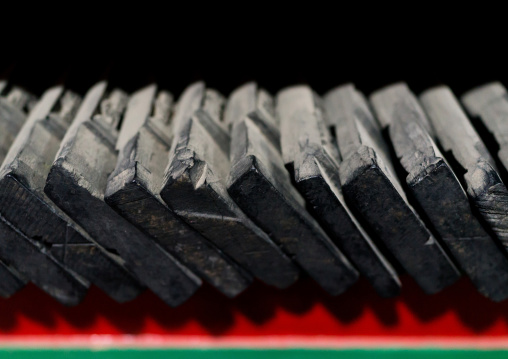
307 49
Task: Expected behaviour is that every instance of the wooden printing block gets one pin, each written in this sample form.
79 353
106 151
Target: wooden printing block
195 188
77 182
473 163
489 105
472 159
19 218
13 113
440 194
10 280
134 185
317 178
43 220
371 188
260 185
249 99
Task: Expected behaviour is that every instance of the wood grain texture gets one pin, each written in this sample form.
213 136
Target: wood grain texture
484 184
489 104
261 186
13 114
317 177
134 185
11 280
42 220
260 105
440 194
24 216
77 182
370 186
194 187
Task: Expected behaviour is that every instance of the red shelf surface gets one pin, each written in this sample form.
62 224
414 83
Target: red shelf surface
303 312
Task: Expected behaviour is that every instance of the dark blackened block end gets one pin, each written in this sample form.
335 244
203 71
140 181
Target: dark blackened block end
10 282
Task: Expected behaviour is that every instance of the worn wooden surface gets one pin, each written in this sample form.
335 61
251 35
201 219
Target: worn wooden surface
484 185
261 186
10 280
14 106
133 190
371 187
27 169
77 182
140 192
260 105
489 104
22 244
195 188
439 193
316 176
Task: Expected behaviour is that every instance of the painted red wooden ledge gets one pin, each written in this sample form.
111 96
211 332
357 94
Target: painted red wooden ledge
301 314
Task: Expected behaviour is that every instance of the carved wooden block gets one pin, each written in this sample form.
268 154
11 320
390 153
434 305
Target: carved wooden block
372 189
23 214
317 177
43 221
483 183
133 190
13 113
10 280
489 104
77 182
249 99
14 108
260 185
195 188
439 193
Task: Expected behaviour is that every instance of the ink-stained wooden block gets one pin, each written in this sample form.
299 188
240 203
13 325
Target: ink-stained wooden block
386 98
77 182
260 105
293 108
462 143
370 186
440 194
26 169
213 104
317 177
260 185
10 280
195 188
21 245
13 113
489 104
133 190
474 164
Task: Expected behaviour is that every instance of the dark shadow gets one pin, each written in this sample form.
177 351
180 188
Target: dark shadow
257 303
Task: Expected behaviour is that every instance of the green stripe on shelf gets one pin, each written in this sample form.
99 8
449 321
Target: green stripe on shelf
251 353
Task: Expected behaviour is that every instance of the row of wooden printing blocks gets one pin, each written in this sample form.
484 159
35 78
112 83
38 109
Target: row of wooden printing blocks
134 192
